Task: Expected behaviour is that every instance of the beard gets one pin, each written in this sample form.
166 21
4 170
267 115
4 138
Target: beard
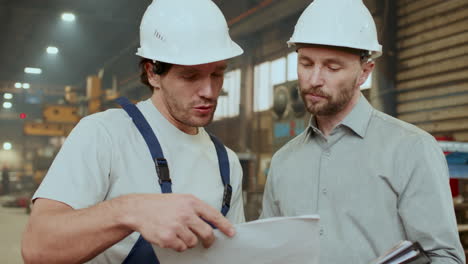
184 112
331 105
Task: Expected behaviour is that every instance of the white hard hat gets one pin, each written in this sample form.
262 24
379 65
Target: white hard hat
185 32
340 23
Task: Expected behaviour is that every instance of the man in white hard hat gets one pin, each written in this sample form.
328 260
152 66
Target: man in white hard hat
106 198
374 180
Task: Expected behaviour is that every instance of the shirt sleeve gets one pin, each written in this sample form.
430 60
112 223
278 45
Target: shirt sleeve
79 174
425 204
270 206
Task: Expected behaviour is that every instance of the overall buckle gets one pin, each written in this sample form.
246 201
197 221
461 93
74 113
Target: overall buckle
163 170
227 195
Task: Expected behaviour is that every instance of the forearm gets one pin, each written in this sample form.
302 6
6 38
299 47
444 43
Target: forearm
73 236
59 234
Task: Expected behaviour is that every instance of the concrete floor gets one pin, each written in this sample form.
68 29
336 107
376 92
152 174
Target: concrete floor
12 224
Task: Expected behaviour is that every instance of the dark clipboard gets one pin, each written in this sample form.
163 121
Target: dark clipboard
420 256
405 252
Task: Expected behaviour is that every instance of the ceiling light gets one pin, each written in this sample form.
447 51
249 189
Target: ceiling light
8 96
7 146
32 70
7 105
18 85
52 50
26 86
69 17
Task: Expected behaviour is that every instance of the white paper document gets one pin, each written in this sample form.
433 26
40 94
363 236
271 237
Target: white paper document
280 240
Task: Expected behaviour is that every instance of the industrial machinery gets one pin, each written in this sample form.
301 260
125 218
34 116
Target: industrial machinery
289 113
58 120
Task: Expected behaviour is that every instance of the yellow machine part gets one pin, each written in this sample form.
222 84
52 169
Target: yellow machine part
47 129
70 95
93 93
111 95
61 113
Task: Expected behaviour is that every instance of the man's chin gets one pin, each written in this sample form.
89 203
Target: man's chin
201 121
314 109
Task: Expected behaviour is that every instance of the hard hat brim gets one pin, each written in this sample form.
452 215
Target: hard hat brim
375 52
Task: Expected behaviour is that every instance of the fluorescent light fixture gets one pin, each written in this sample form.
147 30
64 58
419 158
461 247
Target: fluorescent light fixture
8 96
7 146
18 85
32 70
26 86
52 50
7 105
69 17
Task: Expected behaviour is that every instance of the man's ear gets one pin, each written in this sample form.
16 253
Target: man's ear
367 68
153 78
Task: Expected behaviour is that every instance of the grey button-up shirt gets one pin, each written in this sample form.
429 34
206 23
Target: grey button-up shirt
374 181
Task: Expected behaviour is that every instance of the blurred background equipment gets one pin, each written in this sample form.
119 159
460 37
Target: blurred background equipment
5 181
289 113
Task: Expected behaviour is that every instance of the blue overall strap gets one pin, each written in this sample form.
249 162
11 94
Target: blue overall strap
152 142
142 252
224 169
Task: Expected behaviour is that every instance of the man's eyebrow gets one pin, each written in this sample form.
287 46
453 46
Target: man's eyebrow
189 71
334 61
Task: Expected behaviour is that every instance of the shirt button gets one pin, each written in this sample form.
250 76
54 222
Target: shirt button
324 191
321 231
327 153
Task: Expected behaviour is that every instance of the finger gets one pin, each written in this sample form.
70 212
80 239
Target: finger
203 230
170 240
215 218
178 245
188 237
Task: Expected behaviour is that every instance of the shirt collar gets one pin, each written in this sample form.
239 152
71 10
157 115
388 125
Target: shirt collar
313 127
357 120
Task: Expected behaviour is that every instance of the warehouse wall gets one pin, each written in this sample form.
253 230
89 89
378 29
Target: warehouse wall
432 75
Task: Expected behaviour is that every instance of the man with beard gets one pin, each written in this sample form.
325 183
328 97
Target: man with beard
374 180
106 198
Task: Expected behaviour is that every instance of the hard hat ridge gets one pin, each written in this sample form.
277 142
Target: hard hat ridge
186 33
341 23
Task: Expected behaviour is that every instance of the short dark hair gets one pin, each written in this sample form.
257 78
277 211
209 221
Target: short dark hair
365 55
159 68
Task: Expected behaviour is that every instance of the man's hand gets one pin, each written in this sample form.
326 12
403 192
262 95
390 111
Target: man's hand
174 221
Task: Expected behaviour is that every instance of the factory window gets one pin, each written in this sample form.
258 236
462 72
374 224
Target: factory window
278 71
229 100
270 73
263 91
292 66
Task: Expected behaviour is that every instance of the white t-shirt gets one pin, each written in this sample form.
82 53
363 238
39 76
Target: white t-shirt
105 156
